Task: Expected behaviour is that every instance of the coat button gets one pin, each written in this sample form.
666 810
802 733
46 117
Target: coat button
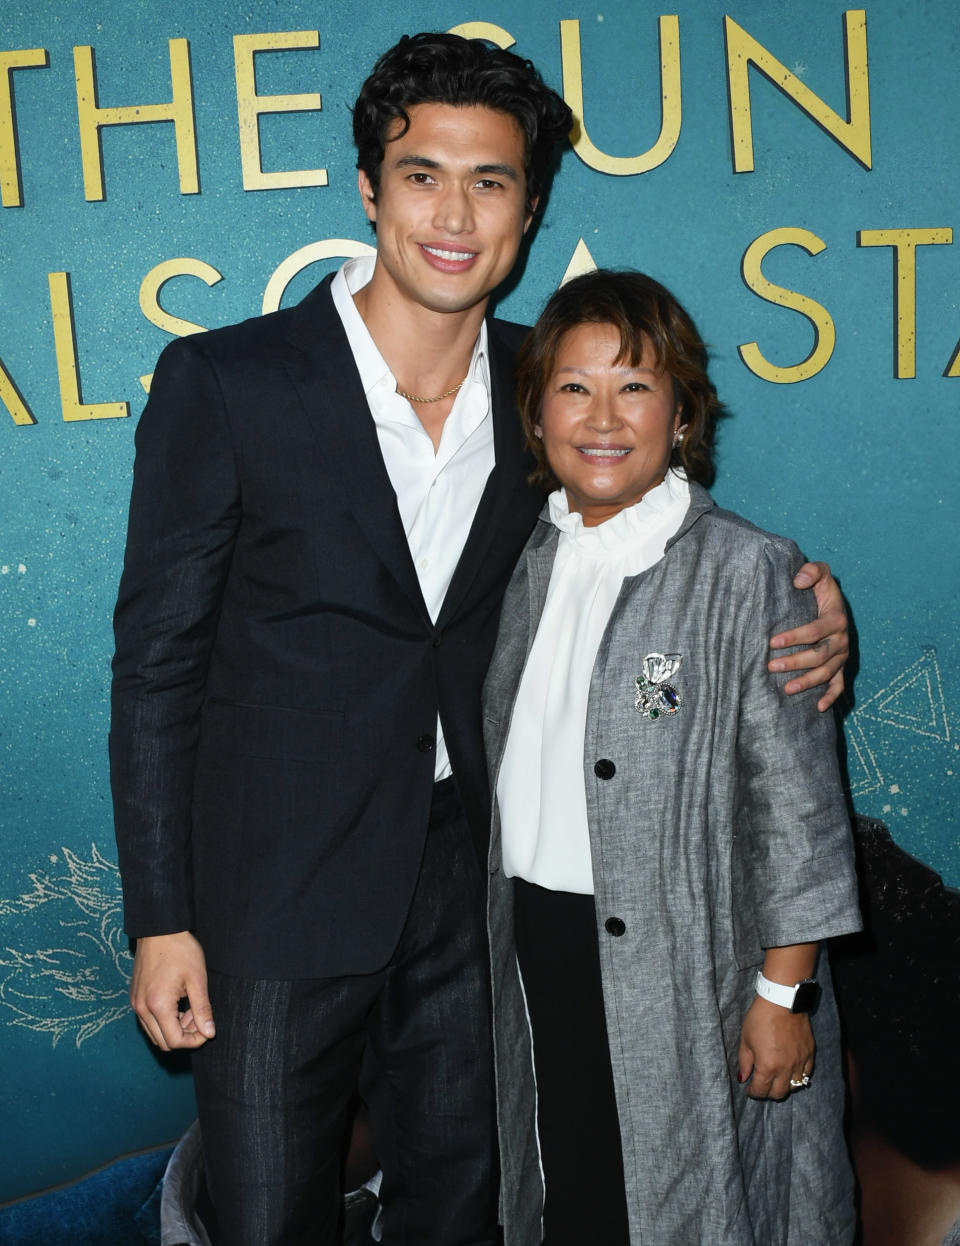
604 768
615 926
426 743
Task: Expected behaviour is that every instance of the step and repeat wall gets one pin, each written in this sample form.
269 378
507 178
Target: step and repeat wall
788 170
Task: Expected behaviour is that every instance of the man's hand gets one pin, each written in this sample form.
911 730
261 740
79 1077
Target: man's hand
826 637
166 970
775 1046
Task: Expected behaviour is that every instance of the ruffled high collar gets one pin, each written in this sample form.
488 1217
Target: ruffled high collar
627 528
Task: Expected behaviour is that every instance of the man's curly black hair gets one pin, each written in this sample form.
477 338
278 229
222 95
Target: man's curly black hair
439 68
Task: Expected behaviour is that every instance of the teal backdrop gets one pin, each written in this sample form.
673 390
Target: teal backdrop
833 255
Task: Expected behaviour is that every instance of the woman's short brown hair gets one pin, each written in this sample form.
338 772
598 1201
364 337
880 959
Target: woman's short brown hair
638 307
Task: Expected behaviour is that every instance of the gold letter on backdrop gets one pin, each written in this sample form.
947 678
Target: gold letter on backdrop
286 270
484 30
92 118
904 243
825 335
65 340
580 262
852 134
13 400
250 105
28 58
671 108
153 283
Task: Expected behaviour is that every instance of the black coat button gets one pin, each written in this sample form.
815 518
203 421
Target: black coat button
604 768
426 744
615 926
436 642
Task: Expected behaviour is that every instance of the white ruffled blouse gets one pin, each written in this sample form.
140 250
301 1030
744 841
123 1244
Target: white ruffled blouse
540 788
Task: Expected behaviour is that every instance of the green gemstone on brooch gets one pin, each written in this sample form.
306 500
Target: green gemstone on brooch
654 695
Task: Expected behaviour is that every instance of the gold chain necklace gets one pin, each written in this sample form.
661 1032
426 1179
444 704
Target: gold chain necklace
439 398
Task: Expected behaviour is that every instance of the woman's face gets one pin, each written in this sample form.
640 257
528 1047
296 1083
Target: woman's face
607 427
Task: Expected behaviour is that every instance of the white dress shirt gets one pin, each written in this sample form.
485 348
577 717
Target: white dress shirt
437 492
540 787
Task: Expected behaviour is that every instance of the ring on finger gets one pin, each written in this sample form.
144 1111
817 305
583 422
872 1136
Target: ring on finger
798 1083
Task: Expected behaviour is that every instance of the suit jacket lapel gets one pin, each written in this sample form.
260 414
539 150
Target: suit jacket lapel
323 371
510 465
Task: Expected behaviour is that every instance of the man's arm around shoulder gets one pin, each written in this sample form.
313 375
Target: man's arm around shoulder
825 640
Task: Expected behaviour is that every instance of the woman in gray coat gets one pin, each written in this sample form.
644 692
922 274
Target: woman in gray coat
669 844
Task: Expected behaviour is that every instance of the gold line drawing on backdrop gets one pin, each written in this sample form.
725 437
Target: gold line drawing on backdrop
76 981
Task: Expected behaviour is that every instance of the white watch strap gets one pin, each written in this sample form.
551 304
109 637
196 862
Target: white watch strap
775 992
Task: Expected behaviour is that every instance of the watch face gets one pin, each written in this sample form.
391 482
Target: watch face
807 996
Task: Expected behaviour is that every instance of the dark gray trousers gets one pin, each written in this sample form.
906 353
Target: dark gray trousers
275 1088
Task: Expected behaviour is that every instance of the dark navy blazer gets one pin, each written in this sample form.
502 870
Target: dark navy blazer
277 676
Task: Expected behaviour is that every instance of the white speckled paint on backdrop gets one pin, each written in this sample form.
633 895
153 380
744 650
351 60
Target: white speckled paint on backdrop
860 467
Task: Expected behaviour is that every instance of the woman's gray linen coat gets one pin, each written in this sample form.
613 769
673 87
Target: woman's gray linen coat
718 831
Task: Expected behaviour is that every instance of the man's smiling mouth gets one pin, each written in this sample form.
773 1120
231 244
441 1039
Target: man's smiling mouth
443 254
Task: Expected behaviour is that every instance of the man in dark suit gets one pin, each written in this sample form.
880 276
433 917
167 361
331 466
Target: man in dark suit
327 505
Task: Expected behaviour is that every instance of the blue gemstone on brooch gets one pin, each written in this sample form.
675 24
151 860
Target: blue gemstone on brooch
655 697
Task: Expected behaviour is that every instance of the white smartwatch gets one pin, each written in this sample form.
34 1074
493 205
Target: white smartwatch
801 997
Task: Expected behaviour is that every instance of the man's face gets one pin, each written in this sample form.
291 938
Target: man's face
450 211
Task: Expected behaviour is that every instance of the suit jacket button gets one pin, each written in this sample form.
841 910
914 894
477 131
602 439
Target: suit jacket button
604 768
426 744
615 926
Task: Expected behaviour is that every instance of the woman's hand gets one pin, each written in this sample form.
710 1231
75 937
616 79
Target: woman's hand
826 638
775 1046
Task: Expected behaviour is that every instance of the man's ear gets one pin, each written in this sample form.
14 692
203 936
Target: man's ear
530 213
367 197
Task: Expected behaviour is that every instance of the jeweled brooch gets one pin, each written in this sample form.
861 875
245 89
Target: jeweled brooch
654 695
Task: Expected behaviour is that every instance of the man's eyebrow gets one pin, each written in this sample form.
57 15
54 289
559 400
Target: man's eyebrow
502 170
423 162
478 170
